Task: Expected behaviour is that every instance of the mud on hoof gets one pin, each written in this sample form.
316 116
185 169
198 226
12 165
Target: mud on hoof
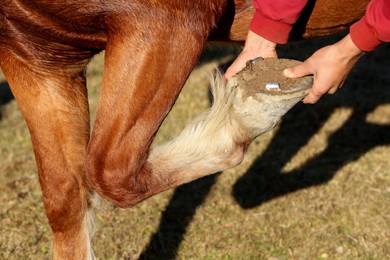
263 95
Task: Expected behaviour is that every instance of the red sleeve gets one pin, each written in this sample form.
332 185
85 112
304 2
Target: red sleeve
273 19
374 27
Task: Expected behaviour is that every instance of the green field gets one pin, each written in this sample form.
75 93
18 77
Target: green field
316 187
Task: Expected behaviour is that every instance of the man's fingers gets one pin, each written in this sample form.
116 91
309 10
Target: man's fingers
230 72
233 70
243 58
236 66
333 90
298 71
311 98
315 94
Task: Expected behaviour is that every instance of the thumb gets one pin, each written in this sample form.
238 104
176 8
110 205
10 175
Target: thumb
301 70
231 71
235 67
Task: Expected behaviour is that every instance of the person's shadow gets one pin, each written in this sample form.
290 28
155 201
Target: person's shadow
265 179
366 89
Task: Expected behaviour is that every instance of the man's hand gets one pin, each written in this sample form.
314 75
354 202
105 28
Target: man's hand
330 67
255 46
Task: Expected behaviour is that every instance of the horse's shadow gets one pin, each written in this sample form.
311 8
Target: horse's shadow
365 89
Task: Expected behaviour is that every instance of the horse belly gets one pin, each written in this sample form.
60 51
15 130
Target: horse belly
38 34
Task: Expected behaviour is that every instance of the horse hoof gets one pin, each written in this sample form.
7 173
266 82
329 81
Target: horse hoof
264 94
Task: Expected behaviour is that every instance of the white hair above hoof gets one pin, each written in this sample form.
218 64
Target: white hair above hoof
243 108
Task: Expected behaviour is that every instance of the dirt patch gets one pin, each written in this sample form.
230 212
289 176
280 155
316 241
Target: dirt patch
259 72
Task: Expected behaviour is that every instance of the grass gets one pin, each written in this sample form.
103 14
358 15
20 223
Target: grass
316 187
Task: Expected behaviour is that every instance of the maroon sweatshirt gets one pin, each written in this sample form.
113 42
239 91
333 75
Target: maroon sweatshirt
273 20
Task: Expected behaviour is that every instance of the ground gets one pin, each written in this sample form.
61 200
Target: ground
316 187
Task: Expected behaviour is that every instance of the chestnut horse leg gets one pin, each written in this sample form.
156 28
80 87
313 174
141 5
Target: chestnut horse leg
56 112
142 78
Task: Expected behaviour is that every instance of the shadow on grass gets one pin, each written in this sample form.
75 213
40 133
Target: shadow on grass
265 181
366 88
176 218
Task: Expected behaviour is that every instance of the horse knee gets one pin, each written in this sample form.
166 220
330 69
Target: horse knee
115 184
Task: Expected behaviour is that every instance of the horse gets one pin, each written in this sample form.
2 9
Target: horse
150 46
